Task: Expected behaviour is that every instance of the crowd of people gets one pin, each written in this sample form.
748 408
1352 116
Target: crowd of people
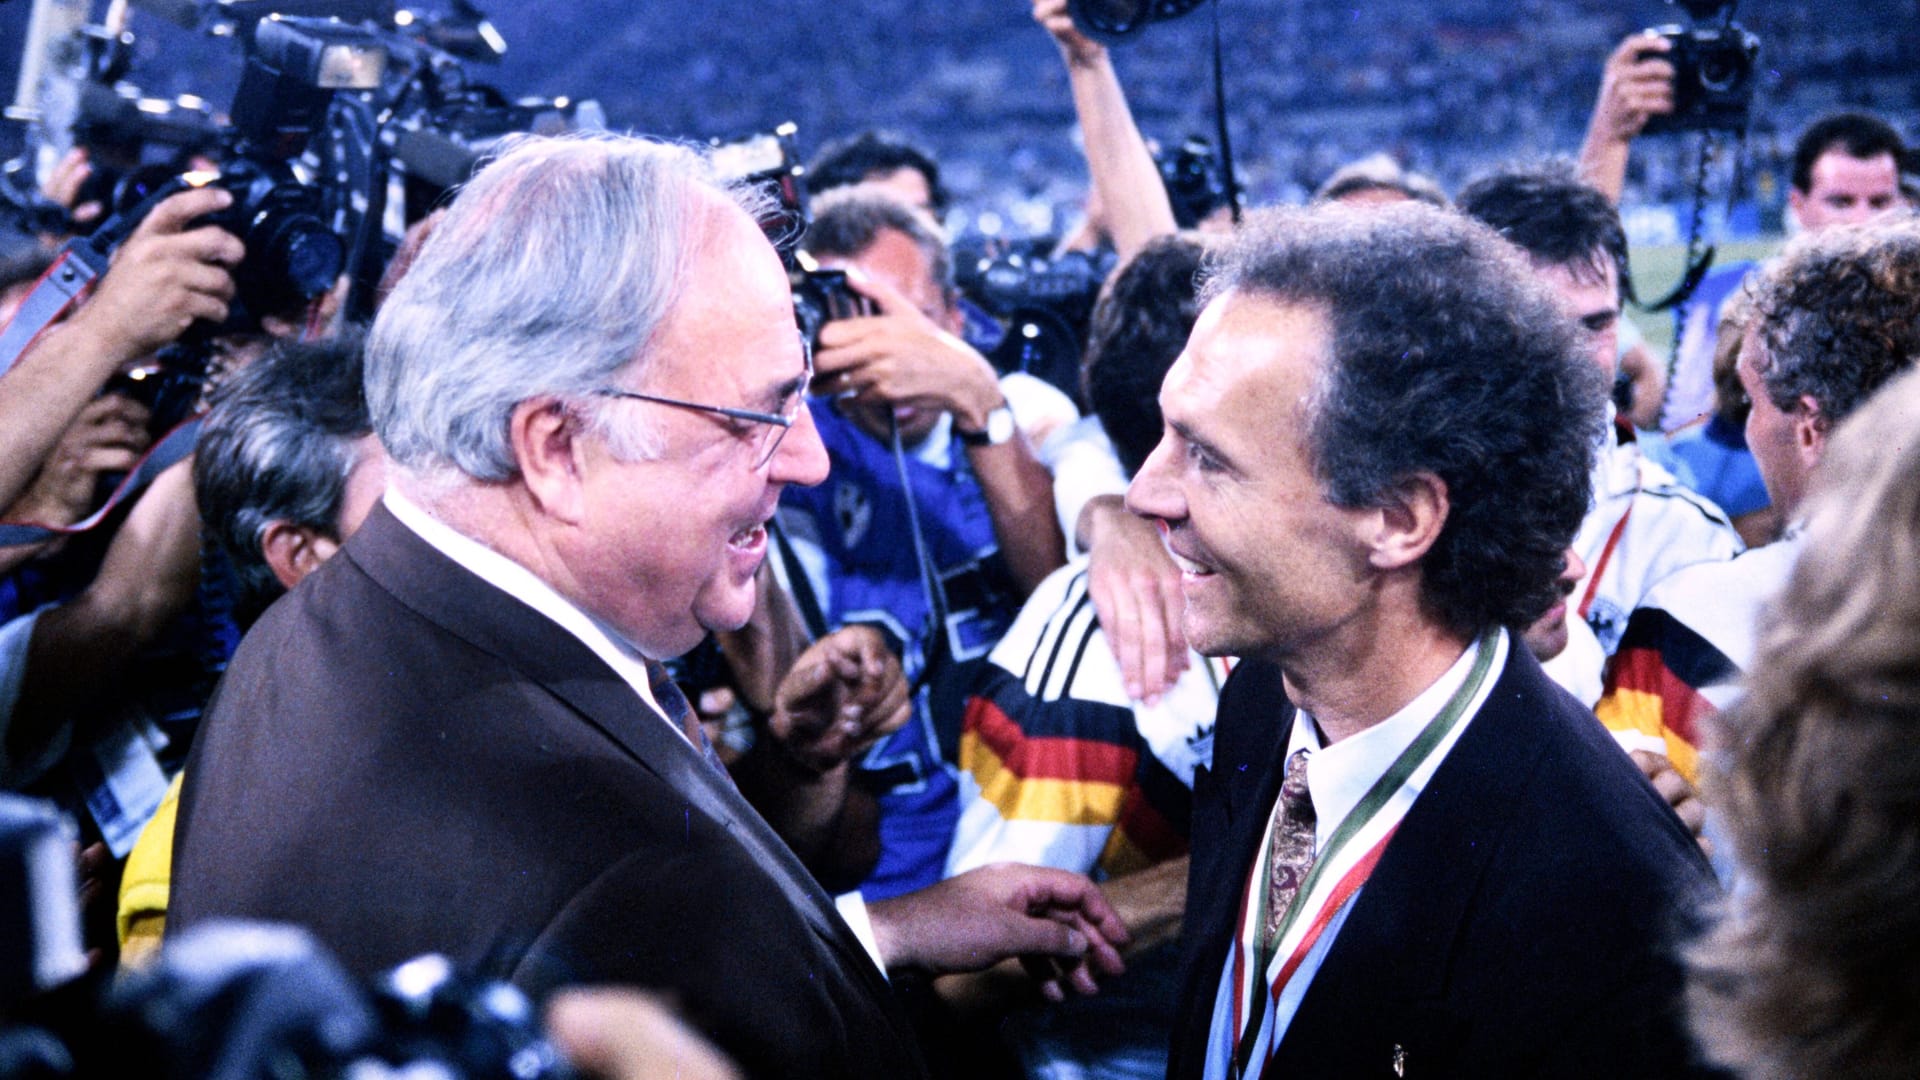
1374 661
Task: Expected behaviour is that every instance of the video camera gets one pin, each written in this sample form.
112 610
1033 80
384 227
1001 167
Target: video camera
338 99
1713 71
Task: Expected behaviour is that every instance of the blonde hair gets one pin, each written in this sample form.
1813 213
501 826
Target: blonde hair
1814 970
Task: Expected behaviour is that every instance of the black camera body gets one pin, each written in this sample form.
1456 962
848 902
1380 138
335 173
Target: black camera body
1196 184
1115 21
821 296
293 255
1713 78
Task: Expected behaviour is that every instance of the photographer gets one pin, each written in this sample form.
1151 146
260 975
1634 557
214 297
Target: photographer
900 380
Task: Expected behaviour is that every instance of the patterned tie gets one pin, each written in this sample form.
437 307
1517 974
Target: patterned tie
674 703
1291 854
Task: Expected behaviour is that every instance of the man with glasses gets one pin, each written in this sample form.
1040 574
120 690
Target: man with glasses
456 737
937 521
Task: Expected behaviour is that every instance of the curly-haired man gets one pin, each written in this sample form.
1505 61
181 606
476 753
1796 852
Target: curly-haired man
1412 850
1835 319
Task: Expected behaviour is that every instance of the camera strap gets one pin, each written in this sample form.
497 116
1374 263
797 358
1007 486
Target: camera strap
935 653
73 272
1220 120
169 451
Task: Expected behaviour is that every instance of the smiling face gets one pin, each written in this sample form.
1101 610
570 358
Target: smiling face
667 547
1269 567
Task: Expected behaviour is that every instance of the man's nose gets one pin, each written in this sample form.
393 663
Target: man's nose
1153 492
801 457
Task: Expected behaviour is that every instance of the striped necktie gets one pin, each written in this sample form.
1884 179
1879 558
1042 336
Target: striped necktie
674 704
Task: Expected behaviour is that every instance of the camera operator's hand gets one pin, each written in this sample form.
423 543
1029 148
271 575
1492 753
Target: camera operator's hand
843 694
901 357
1135 587
1076 48
1636 85
1058 923
168 274
109 435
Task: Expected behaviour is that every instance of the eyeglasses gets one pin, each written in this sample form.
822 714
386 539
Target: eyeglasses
774 426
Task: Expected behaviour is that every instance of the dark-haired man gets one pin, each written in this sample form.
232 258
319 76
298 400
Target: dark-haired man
1413 853
287 466
1643 524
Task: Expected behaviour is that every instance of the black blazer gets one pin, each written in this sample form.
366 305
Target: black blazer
1523 922
405 759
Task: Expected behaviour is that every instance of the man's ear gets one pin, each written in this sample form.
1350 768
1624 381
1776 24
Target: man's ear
1796 201
544 434
1810 427
1408 521
294 551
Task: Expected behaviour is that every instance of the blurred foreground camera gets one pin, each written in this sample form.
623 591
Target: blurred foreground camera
1713 73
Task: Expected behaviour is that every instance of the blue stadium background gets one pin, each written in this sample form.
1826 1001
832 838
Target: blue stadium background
1447 87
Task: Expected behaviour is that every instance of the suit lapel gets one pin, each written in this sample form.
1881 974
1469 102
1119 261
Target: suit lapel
1232 800
1400 942
524 640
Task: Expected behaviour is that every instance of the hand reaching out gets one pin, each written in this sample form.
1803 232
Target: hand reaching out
109 435
842 695
902 357
618 1034
1058 923
1679 794
1636 86
169 273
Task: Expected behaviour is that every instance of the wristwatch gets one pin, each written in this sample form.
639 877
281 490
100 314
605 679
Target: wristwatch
999 429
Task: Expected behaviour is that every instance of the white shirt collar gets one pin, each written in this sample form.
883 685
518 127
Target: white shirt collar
523 585
1339 776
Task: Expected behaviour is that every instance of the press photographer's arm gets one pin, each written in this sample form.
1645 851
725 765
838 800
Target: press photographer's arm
168 274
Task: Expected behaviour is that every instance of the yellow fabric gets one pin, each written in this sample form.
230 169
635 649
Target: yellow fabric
1642 712
1072 802
144 885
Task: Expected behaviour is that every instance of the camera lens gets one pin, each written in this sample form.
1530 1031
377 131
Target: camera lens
1721 71
311 254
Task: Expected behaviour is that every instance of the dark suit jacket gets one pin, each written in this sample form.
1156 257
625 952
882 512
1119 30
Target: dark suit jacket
405 759
1523 922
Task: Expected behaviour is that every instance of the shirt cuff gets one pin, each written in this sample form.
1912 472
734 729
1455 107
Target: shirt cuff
853 908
